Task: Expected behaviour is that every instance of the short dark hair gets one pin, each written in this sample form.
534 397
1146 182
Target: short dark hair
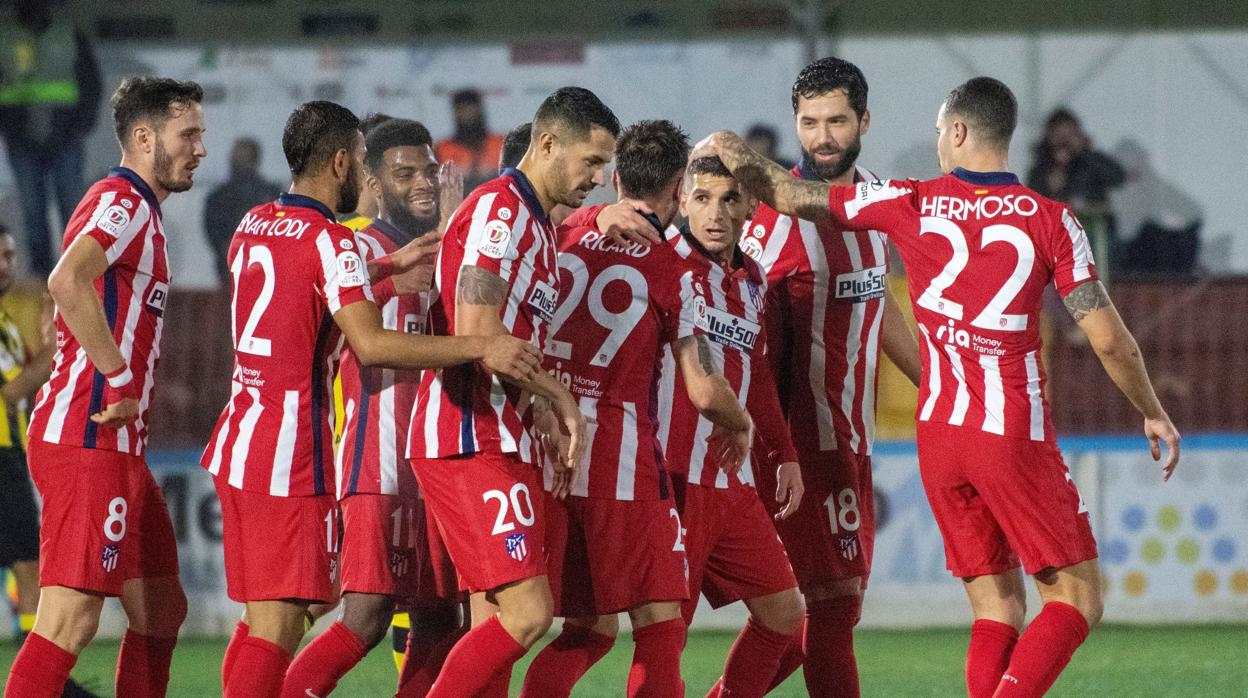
4 229
148 99
576 109
711 165
988 106
1061 115
393 134
827 75
372 120
648 155
515 145
314 132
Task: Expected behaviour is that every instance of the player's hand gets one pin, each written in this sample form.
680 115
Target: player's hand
118 414
571 438
1157 431
710 146
789 489
511 357
422 251
624 223
450 192
731 447
562 483
418 279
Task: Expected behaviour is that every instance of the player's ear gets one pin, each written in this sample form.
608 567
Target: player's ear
341 164
141 138
374 184
545 143
615 180
959 133
864 124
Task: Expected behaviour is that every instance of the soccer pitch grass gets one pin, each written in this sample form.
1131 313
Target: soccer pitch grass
1116 661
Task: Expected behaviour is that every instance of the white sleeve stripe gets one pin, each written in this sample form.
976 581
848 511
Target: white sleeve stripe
476 229
325 249
1081 249
866 196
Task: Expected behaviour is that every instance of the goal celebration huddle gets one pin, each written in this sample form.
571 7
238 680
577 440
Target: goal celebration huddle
471 413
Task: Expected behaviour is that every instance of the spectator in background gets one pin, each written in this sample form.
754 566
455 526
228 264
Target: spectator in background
764 139
473 148
228 203
1067 169
1159 223
49 96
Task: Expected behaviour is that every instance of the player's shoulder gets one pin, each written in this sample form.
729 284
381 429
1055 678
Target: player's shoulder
120 192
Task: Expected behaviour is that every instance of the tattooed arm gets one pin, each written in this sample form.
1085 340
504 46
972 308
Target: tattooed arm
706 386
769 182
1096 315
479 299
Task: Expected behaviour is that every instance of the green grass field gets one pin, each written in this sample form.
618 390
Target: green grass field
1116 661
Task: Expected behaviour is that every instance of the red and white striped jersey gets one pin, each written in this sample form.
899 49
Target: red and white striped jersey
500 227
979 249
826 302
731 317
377 401
122 214
294 266
620 308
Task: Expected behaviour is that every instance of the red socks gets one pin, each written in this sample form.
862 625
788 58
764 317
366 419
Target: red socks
39 670
752 661
556 669
423 659
790 662
325 660
258 669
143 665
988 656
832 671
655 672
472 665
241 631
1043 651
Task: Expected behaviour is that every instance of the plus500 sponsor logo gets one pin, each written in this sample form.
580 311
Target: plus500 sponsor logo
728 329
860 286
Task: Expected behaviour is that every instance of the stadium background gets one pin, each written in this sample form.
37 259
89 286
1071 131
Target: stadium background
1159 74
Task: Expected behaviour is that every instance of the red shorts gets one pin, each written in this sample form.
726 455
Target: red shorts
999 500
607 556
734 553
278 547
104 519
488 509
381 549
831 536
391 546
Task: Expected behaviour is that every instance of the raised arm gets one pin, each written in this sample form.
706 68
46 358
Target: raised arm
1090 306
766 180
479 299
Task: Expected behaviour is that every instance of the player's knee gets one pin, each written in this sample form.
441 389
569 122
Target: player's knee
367 621
75 632
527 623
174 608
1092 608
782 613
